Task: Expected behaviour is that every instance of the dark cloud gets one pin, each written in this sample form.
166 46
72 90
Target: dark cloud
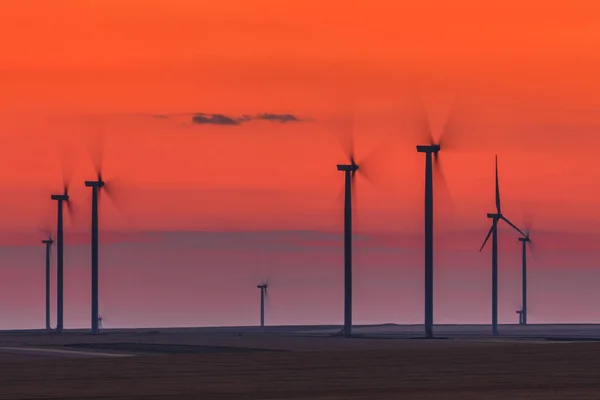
215 119
222 119
283 118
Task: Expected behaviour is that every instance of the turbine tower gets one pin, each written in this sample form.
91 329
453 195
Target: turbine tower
61 199
263 295
525 240
432 165
48 242
430 152
496 217
349 171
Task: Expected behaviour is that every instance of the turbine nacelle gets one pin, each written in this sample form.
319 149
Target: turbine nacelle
347 167
430 148
524 239
98 183
47 241
494 215
263 286
60 197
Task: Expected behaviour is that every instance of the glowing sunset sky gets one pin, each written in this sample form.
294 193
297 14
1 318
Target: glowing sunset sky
523 76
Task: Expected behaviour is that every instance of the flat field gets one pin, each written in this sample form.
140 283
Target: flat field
384 362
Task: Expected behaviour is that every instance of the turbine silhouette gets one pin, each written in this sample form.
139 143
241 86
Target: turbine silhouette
48 242
97 186
61 199
525 241
496 217
349 170
263 296
432 165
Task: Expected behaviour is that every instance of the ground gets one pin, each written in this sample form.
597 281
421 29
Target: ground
382 362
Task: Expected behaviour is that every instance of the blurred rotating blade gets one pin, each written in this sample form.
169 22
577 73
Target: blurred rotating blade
96 126
441 191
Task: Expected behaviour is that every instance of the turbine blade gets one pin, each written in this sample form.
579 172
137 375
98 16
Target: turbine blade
531 248
97 129
455 135
353 193
528 220
488 236
460 131
376 164
441 189
115 191
449 129
498 209
67 168
513 225
365 175
343 129
416 118
419 122
71 210
106 192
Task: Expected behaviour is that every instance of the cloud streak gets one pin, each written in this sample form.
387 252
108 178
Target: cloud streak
232 120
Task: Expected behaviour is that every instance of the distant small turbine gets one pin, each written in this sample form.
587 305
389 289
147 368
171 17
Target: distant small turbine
496 217
48 242
525 240
263 296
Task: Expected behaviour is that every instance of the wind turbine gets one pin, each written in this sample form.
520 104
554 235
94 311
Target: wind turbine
496 217
525 240
263 296
97 186
349 173
432 164
60 199
48 242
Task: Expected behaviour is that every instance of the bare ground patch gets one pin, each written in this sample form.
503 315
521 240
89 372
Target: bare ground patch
475 371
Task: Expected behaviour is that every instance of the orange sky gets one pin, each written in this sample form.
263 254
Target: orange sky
525 74
520 68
